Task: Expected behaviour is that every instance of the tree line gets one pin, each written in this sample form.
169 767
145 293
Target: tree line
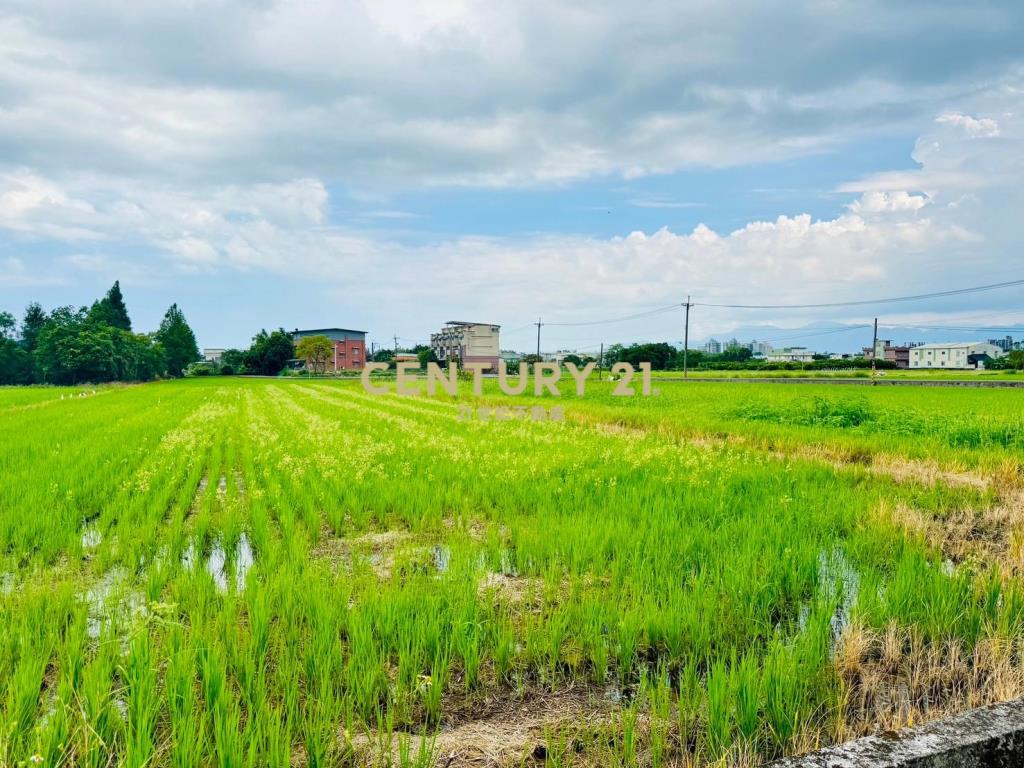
268 355
92 344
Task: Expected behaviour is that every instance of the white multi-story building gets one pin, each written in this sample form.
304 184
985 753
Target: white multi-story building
713 347
790 355
462 342
968 354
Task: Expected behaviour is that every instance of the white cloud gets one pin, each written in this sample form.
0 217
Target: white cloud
889 241
30 203
881 202
267 230
976 128
184 139
395 94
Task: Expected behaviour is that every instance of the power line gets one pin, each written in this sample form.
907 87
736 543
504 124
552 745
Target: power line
962 328
819 333
509 331
866 302
649 313
822 305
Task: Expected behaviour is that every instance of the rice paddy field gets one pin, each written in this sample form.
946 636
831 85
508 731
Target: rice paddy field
231 572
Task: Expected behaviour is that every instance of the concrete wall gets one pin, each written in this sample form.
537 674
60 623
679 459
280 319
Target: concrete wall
992 737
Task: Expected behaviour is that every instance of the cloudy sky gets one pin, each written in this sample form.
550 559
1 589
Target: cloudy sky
393 164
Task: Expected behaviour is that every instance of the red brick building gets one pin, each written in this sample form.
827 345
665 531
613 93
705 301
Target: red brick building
349 347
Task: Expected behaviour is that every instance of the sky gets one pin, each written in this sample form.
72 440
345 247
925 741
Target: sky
391 165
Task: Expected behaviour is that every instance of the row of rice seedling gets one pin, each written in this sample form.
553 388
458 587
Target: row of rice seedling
286 572
972 427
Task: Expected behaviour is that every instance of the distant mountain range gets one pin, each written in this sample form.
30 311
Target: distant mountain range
836 337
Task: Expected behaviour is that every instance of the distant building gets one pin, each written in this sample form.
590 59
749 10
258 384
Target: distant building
713 347
885 350
349 347
1006 343
790 355
510 356
464 342
898 355
560 355
212 354
405 357
965 355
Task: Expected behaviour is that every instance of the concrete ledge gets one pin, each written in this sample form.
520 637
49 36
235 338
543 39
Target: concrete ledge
992 737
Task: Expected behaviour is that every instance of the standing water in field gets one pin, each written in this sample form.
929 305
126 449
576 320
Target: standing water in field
112 599
442 556
838 577
223 568
837 580
91 536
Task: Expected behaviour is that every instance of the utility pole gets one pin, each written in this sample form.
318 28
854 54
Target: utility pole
686 340
874 349
538 324
600 364
396 345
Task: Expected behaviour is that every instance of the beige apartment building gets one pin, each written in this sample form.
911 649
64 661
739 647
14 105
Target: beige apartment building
463 342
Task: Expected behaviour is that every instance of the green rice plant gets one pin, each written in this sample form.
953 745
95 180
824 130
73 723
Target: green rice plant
143 705
719 719
689 703
658 692
746 692
269 565
424 755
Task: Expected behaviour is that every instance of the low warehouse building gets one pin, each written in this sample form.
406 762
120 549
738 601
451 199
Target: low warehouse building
957 355
349 347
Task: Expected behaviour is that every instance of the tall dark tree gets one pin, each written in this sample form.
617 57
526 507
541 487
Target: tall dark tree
15 362
31 325
111 309
178 341
269 352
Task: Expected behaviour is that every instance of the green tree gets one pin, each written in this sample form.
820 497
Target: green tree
33 322
579 360
426 355
232 362
138 357
73 350
733 354
15 362
316 351
111 309
269 353
178 341
659 355
1015 359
